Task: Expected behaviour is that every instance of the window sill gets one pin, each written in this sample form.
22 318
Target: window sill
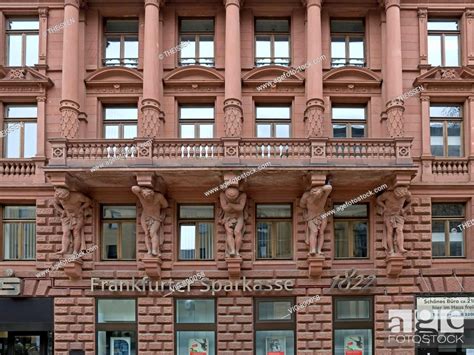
452 262
359 263
106 265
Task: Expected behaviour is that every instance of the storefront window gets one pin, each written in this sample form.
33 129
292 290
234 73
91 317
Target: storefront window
195 326
274 327
353 326
116 326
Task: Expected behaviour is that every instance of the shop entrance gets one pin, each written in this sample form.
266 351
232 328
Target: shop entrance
26 343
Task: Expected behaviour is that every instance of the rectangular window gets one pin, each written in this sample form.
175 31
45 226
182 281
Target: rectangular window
22 42
349 121
351 231
121 43
272 42
196 42
120 122
274 231
274 326
446 130
118 232
195 326
196 122
353 325
446 232
273 121
116 326
19 232
196 232
19 131
347 43
443 42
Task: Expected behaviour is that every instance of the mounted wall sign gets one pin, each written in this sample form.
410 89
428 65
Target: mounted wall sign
352 281
10 286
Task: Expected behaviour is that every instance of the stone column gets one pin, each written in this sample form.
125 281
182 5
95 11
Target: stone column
314 113
469 15
69 105
151 120
393 73
41 126
233 115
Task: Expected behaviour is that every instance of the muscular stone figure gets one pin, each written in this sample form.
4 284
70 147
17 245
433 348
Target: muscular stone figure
233 218
153 215
312 203
72 207
394 207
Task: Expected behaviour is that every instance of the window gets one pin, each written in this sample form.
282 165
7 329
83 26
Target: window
196 122
196 38
272 42
274 326
353 323
446 234
120 122
274 240
347 43
20 131
349 121
443 42
195 326
351 231
446 130
196 232
273 121
121 43
22 42
19 232
118 232
116 326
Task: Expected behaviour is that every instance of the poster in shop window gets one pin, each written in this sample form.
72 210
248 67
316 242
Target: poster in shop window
354 345
198 346
120 346
276 346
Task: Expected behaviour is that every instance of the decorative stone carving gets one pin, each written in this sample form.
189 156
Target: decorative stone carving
73 208
314 117
448 74
153 215
313 203
151 121
232 216
394 205
233 118
16 74
69 119
423 13
395 121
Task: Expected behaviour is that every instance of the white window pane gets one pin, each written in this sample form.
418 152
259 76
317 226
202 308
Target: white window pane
21 111
451 44
197 112
282 131
14 50
112 49
32 50
338 47
130 48
263 47
206 131
187 241
282 48
188 50
23 24
348 113
455 236
356 48
437 237
30 140
111 132
264 131
121 113
434 50
187 131
116 310
443 25
264 112
12 141
129 131
206 48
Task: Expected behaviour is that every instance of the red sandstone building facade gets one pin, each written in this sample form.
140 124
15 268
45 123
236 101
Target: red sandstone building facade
127 126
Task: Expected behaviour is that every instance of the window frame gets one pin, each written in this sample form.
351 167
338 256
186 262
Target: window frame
447 219
122 36
119 237
200 327
4 220
349 122
197 39
19 120
23 33
120 123
197 122
350 237
273 121
272 35
347 36
272 237
446 121
443 34
195 222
